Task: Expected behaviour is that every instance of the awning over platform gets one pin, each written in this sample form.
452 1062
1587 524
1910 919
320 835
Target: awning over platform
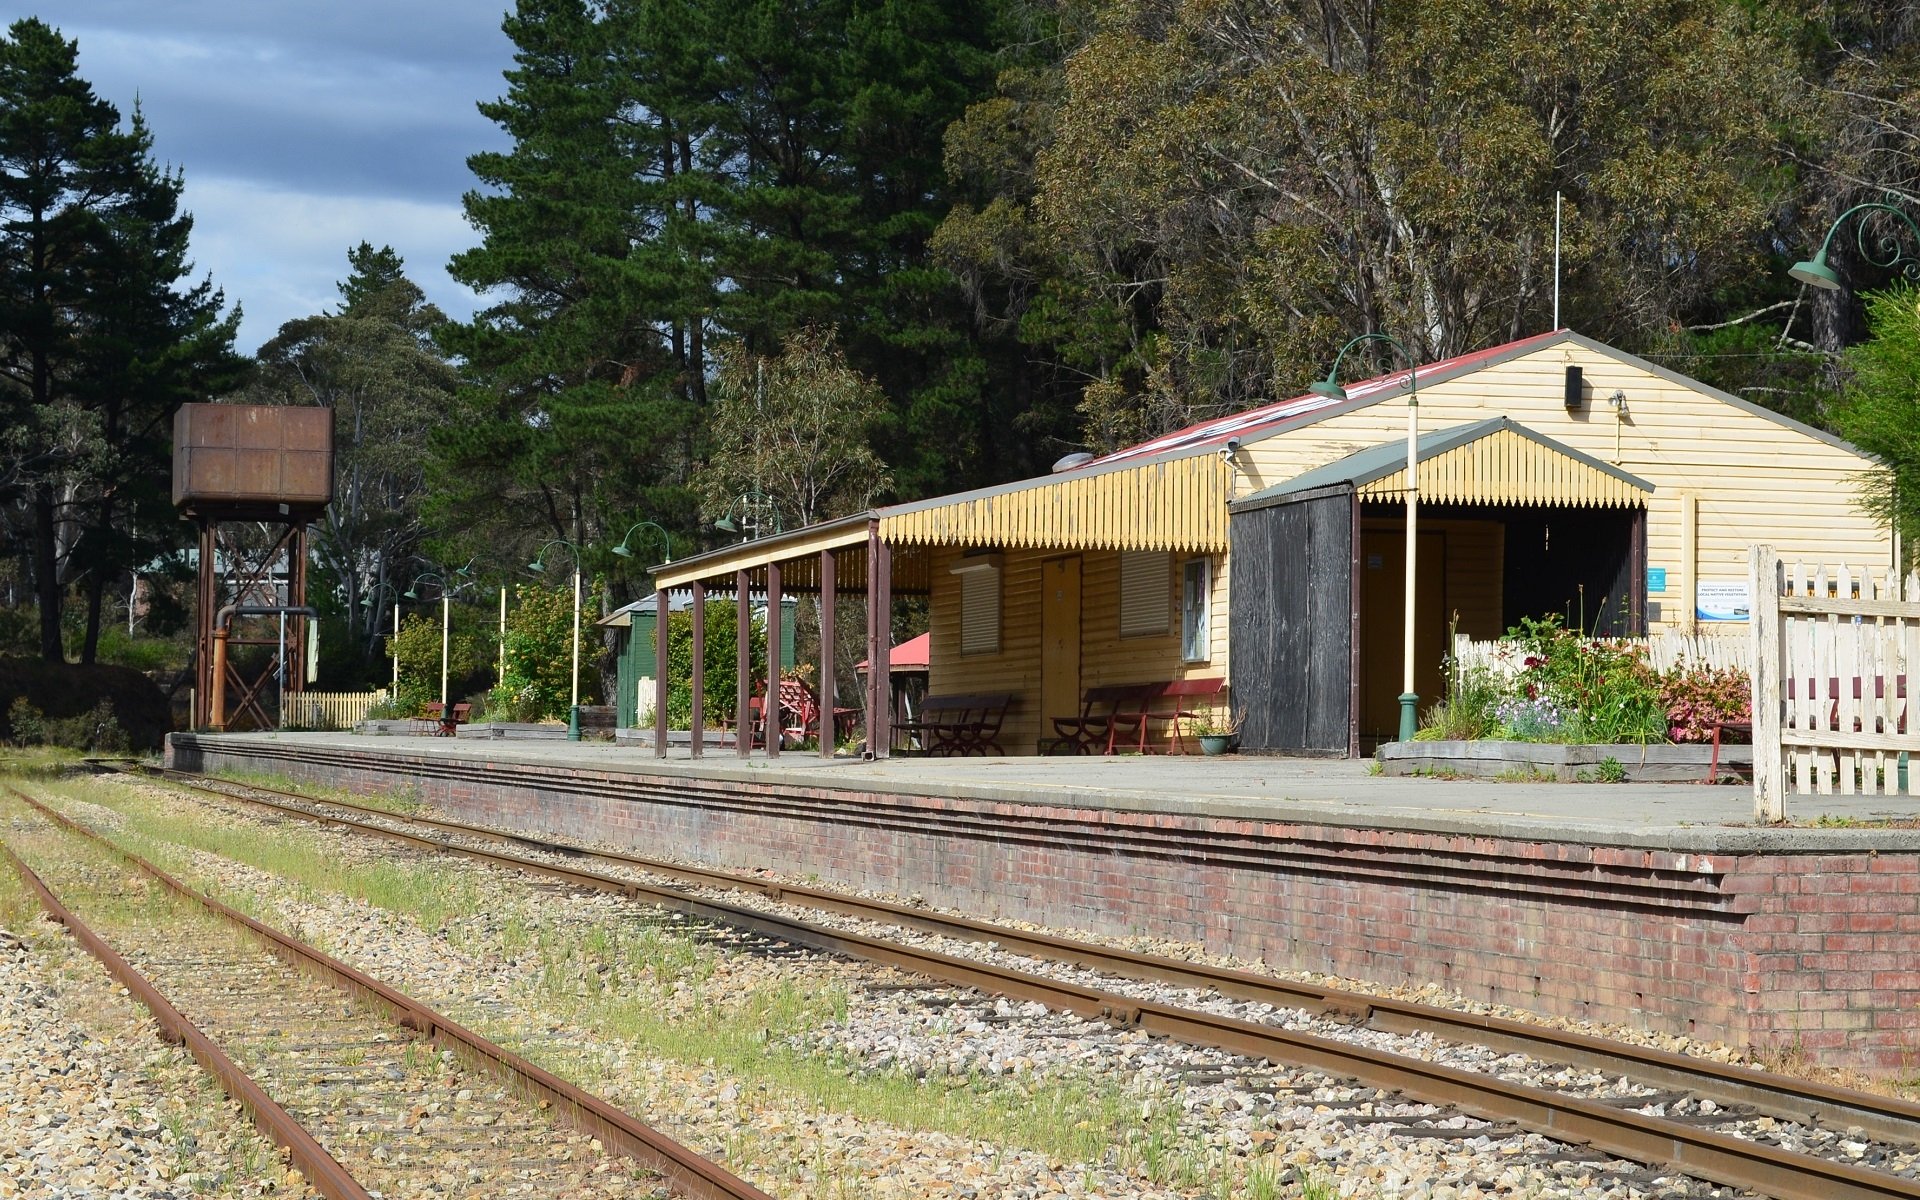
1497 461
1171 504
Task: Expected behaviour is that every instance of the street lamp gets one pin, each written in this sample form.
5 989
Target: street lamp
1816 271
665 541
366 602
538 566
1330 388
750 514
447 592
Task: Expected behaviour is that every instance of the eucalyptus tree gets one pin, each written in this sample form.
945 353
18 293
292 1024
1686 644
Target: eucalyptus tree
373 361
1221 193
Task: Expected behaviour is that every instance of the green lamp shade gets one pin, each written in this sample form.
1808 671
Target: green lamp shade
411 594
1327 388
726 525
622 550
1817 273
536 566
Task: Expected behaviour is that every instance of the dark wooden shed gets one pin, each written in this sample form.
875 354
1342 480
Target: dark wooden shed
1512 524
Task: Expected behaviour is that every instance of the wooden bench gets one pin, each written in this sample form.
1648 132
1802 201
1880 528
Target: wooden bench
1183 700
957 725
1092 730
436 721
1113 711
1879 693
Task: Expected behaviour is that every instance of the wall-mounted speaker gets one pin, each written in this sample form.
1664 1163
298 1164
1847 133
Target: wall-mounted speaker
1574 389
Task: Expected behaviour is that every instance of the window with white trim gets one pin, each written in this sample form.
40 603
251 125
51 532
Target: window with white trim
1145 590
980 611
1196 607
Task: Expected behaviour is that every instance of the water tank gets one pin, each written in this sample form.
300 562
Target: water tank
240 456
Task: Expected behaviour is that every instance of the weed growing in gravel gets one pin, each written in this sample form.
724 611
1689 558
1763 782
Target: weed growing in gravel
403 799
435 896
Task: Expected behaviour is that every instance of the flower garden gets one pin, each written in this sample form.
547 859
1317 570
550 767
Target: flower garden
1579 690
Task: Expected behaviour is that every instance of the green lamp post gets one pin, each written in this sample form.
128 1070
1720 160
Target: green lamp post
538 566
367 602
666 543
750 514
447 591
1887 254
1330 388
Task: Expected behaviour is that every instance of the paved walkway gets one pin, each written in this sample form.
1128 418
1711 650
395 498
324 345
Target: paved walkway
1328 791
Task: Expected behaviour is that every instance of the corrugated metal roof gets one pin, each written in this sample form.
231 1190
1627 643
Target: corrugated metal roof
1495 461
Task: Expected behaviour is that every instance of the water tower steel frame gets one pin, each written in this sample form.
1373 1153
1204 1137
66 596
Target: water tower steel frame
236 465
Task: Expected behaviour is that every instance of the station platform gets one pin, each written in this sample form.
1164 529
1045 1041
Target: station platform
1659 905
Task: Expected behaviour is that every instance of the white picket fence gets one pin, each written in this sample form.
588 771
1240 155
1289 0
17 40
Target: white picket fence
331 710
1834 649
1664 652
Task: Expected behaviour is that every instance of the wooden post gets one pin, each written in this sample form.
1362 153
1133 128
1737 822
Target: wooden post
217 703
659 673
827 680
770 708
698 746
1769 783
743 666
879 733
880 665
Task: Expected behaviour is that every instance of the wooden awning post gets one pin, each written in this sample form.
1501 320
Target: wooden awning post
743 667
699 719
878 733
770 710
880 662
827 674
660 632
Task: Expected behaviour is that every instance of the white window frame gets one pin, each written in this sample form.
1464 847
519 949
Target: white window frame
1146 586
1196 610
979 604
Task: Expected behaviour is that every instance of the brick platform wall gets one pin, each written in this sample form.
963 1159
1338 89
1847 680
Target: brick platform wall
1813 951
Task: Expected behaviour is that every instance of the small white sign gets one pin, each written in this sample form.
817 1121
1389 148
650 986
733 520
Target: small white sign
1723 600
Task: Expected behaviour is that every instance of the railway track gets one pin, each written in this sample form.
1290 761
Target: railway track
370 1092
1736 1127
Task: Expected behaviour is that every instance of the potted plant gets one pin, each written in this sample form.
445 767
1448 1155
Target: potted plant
1217 731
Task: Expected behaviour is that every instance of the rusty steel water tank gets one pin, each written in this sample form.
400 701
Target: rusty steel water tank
236 457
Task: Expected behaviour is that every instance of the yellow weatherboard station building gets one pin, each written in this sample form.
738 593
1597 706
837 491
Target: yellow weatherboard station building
1558 475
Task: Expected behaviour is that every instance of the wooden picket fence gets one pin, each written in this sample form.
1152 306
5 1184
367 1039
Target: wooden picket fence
1833 652
1664 652
331 710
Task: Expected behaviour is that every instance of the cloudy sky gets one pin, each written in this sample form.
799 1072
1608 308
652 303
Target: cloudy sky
304 127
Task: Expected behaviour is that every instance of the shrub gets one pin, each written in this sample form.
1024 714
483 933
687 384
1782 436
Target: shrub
1603 691
539 676
1468 710
63 691
96 730
1697 696
722 684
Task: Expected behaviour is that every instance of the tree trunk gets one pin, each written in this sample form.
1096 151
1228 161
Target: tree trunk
46 575
96 594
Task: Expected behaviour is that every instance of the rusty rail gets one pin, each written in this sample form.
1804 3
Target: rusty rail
1710 1155
1805 1101
688 1172
308 1156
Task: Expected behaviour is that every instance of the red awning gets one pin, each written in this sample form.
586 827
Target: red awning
911 655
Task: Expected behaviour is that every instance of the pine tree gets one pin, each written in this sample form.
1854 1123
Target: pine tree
101 338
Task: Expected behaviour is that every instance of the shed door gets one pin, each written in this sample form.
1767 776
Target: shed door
1383 571
1059 639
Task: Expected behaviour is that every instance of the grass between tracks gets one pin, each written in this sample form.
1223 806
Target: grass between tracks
645 986
212 1149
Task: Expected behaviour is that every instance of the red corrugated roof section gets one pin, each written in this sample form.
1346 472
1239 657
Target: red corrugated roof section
1273 418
